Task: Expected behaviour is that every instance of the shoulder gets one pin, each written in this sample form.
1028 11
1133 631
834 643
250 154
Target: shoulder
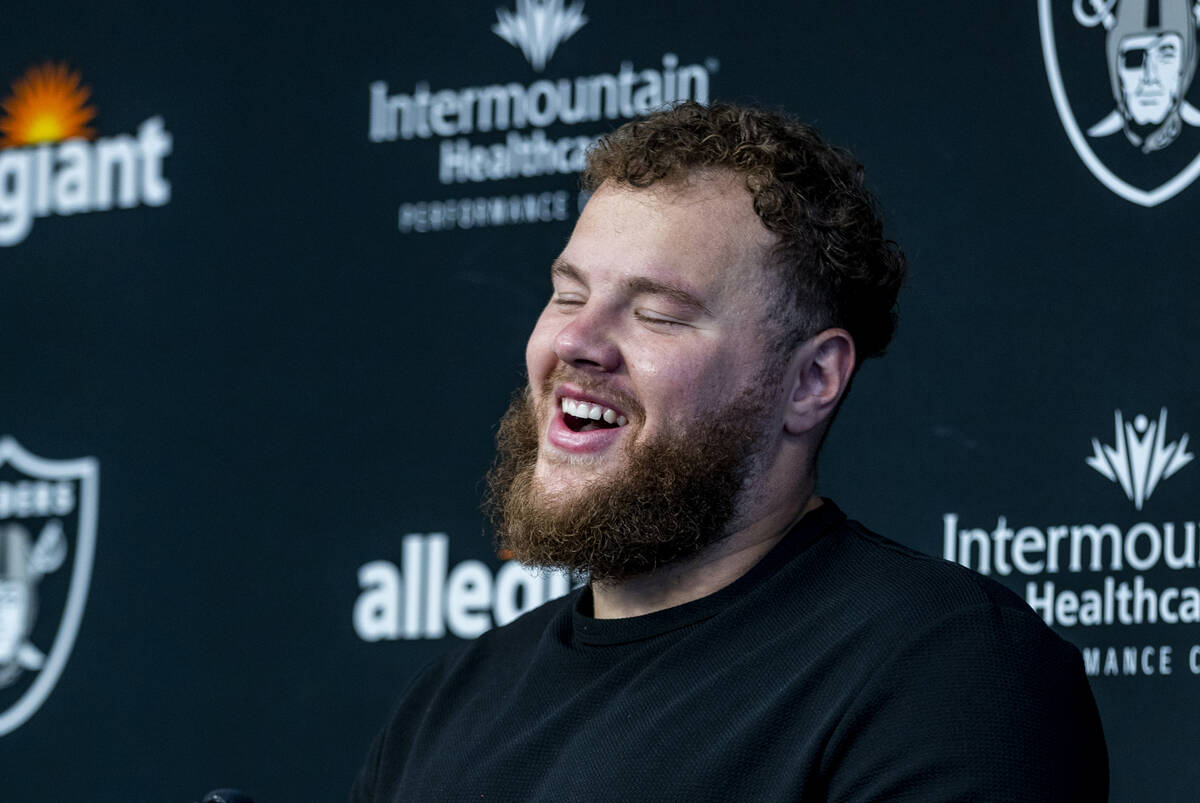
965 684
880 580
486 662
471 669
544 623
913 630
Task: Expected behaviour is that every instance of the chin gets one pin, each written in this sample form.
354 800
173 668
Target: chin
557 471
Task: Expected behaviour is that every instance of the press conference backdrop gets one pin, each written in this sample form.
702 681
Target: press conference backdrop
266 275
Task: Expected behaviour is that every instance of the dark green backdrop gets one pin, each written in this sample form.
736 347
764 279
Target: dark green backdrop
278 384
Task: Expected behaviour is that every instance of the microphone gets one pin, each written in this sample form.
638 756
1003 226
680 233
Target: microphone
227 796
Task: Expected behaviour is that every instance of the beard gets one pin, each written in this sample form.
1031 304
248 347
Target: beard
676 494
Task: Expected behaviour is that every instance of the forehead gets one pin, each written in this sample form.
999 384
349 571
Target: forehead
701 231
1150 41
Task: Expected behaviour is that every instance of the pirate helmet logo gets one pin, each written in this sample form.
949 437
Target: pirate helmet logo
41 602
1150 52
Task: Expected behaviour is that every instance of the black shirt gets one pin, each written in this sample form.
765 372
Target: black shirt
842 666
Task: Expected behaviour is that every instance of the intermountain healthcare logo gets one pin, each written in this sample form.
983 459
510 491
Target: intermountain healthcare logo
498 130
47 515
51 163
538 27
1105 580
1150 49
1140 457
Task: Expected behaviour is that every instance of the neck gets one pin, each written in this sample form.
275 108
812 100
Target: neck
710 571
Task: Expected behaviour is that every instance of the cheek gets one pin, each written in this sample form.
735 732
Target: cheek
678 385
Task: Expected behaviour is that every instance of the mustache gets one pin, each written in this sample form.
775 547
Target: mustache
589 383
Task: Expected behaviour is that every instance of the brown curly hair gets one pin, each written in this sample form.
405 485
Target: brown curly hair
837 267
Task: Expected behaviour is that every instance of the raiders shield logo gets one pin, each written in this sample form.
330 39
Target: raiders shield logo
1120 72
47 540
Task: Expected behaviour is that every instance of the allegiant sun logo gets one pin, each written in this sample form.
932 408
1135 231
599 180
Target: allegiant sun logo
51 162
47 104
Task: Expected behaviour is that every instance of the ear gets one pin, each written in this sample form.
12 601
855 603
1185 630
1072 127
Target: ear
821 369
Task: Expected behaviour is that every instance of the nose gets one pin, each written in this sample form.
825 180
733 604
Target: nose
1149 69
586 342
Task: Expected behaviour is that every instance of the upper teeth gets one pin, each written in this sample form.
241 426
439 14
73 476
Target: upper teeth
582 409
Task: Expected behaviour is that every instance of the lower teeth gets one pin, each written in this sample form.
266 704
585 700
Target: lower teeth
578 424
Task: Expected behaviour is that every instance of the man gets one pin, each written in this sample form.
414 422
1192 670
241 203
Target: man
739 638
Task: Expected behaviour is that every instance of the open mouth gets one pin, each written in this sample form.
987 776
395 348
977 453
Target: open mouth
583 416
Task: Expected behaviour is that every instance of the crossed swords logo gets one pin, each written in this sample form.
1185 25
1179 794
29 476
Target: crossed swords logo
21 569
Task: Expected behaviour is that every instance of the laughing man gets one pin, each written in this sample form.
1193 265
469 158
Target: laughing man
739 638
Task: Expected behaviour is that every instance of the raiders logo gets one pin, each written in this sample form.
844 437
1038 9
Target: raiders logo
47 540
1120 72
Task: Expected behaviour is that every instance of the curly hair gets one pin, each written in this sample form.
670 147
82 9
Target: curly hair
837 268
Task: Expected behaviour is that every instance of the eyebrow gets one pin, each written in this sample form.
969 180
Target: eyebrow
637 285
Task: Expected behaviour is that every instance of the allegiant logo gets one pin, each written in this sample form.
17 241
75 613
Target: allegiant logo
51 162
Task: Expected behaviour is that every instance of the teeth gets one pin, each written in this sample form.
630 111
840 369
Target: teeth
595 412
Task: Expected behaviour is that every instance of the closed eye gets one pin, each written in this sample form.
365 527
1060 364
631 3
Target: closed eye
658 320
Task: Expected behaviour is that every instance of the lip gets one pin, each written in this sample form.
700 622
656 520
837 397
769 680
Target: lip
563 437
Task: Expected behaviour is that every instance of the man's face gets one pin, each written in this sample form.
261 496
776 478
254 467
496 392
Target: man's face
1151 70
657 320
654 384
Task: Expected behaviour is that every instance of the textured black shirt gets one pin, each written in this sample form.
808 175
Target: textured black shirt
842 666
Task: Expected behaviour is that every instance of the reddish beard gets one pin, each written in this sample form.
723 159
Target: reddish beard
676 494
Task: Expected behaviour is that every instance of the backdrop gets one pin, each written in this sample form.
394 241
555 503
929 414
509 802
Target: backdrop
266 275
